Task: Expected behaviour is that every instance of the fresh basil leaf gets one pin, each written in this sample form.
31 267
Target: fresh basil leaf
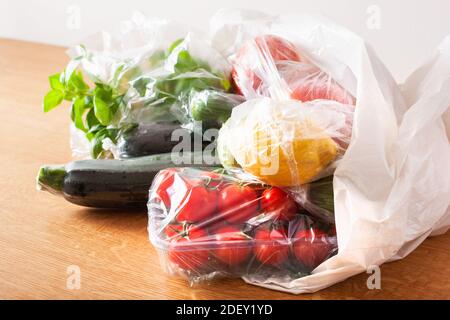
185 62
102 110
52 99
91 120
97 141
55 82
97 144
140 85
96 128
101 87
89 136
77 84
77 113
175 44
113 134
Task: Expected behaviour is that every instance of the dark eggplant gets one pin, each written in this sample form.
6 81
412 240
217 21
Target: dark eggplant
113 183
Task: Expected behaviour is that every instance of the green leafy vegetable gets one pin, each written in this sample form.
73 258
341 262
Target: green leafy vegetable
92 109
96 110
52 99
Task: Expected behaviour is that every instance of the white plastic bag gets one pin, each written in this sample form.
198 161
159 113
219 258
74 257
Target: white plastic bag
392 186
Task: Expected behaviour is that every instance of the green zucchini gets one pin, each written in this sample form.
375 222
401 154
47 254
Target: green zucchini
210 105
113 183
155 138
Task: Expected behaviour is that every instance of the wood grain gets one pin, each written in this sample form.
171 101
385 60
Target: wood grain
41 235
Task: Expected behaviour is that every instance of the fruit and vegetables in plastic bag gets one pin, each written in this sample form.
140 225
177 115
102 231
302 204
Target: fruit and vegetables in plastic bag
188 65
212 105
286 143
297 121
219 223
269 62
140 80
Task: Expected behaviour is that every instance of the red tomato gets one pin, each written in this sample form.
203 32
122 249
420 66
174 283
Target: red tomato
163 181
212 179
198 204
307 83
311 247
278 203
195 232
233 246
243 72
186 251
271 246
174 230
237 204
316 90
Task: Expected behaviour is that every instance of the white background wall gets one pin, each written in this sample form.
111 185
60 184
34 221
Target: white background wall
409 30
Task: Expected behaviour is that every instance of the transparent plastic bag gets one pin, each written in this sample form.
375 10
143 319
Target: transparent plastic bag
119 54
112 60
145 73
307 83
272 66
286 143
207 224
211 105
297 122
189 64
186 92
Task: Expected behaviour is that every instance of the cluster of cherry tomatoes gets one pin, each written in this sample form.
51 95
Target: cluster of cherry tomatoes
213 222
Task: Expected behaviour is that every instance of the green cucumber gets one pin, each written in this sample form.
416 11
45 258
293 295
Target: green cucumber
113 183
210 105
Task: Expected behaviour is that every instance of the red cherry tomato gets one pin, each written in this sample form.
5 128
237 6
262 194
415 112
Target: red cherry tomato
173 231
311 247
196 233
233 247
237 204
187 253
271 246
244 68
198 204
278 203
212 179
163 181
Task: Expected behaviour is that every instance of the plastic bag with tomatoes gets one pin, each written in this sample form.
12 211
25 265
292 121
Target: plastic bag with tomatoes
270 65
297 121
218 223
390 192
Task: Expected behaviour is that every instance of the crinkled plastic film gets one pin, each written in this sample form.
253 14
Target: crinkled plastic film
158 66
287 143
208 224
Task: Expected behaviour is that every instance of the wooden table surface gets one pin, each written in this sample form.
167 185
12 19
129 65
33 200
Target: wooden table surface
42 235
